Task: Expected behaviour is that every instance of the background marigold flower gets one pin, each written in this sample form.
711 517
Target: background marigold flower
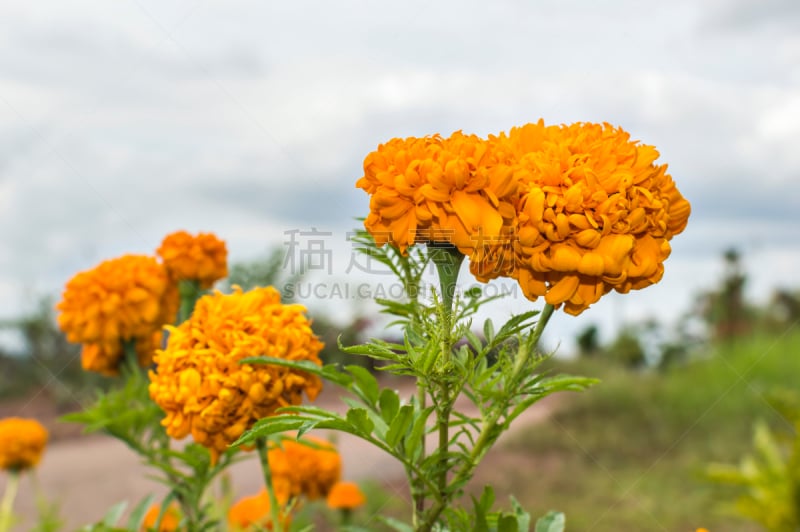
345 496
254 511
440 190
310 469
22 443
595 212
200 383
202 258
170 521
107 357
120 300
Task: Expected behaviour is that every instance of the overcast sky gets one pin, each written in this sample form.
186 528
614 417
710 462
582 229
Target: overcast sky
123 121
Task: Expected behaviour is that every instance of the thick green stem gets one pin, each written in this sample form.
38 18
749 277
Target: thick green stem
448 263
274 510
419 489
8 500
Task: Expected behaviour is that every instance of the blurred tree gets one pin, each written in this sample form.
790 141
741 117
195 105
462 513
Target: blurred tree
265 271
627 349
588 341
46 358
724 309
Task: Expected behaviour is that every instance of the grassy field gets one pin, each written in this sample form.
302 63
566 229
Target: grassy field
630 454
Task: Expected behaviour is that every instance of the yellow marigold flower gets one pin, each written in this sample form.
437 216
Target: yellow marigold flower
120 299
440 190
345 496
200 383
106 358
310 469
595 212
254 511
169 522
22 443
202 258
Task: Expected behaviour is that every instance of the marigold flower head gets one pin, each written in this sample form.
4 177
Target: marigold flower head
254 511
202 258
170 521
201 384
439 190
22 443
120 300
345 496
595 213
311 467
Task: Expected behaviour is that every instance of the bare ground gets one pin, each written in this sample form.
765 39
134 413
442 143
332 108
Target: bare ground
86 475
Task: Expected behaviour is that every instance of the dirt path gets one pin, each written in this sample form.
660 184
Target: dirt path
89 474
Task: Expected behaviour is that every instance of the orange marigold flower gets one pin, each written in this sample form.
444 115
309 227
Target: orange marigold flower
22 443
310 467
440 190
254 511
120 300
106 357
170 521
345 496
202 258
595 213
201 384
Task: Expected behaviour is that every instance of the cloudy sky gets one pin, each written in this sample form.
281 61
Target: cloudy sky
123 121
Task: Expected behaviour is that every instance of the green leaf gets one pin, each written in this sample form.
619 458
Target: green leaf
358 418
365 385
551 522
523 517
488 330
396 525
389 402
399 425
508 523
138 513
328 372
114 513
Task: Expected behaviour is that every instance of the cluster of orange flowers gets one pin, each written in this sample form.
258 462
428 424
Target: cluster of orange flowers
200 382
570 212
129 299
22 443
308 469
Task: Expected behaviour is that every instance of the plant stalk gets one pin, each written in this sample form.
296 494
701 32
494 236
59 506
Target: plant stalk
8 500
448 262
263 456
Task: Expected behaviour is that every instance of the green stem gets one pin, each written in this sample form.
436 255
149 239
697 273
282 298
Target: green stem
8 500
190 292
448 263
263 455
419 490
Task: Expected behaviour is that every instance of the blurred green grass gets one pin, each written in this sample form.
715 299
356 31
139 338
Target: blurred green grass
630 453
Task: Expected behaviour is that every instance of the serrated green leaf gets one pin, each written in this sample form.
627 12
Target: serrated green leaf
488 331
399 425
523 517
552 522
389 403
365 384
358 418
329 372
508 523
